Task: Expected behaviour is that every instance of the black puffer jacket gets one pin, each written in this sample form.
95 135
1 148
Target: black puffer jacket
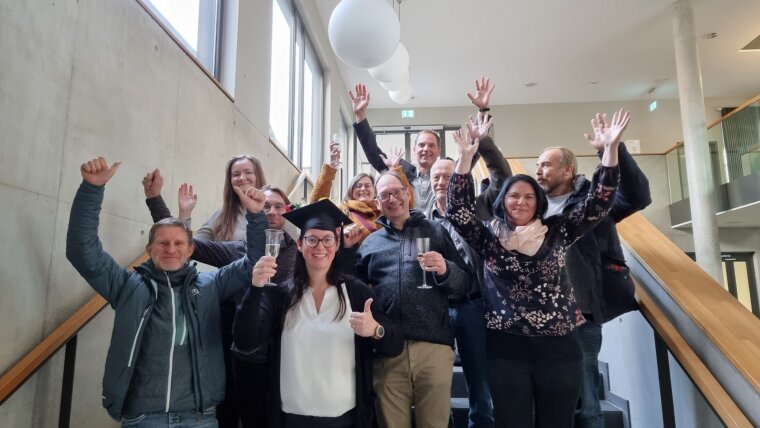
387 261
602 245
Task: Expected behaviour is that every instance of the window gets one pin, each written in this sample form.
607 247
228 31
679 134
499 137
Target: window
196 23
295 109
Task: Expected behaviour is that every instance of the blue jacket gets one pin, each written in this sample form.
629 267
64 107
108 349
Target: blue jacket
132 296
586 257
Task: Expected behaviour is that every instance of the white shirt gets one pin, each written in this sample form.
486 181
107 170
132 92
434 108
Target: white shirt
317 363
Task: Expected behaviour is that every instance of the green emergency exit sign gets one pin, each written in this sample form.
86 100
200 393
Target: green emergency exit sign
407 114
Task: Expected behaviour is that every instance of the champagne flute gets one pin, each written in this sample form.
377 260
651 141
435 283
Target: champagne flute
423 246
337 139
272 248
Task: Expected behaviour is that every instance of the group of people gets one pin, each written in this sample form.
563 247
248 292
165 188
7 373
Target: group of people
357 320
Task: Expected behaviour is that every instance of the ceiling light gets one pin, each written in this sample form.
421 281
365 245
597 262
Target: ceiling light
593 82
530 84
711 35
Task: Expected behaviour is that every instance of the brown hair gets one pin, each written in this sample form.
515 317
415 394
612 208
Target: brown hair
275 189
169 222
225 224
347 197
431 132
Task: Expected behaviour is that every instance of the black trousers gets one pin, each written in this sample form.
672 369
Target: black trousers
346 420
251 392
535 381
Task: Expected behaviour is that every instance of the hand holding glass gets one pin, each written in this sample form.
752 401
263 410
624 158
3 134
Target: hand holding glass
273 239
423 246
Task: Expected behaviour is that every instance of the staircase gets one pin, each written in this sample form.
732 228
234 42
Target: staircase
614 409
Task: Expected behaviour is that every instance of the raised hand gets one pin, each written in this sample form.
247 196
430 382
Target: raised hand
483 89
97 172
606 133
152 184
479 127
264 269
363 323
360 101
433 261
252 198
394 159
466 146
187 200
352 235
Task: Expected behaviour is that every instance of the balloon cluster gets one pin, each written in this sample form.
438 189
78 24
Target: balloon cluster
367 34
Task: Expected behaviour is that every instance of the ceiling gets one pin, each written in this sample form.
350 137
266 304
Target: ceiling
563 45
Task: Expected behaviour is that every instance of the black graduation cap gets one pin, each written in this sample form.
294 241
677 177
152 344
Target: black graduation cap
322 215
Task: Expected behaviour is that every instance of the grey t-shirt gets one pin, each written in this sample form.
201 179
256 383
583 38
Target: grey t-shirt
556 204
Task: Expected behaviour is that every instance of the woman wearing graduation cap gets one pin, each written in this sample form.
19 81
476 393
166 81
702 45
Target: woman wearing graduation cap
321 328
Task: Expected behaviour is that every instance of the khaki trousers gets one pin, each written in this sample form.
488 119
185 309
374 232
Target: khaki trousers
421 377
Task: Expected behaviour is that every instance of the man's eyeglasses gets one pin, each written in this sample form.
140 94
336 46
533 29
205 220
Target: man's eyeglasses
386 196
328 241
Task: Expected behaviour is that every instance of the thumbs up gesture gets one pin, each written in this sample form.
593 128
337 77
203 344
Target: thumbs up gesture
363 323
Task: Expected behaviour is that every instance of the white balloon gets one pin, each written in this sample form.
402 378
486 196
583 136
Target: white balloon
396 85
393 69
403 95
364 33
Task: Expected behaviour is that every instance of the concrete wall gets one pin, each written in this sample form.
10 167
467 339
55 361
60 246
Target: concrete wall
86 78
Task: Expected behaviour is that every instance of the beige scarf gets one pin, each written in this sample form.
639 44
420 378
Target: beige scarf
524 239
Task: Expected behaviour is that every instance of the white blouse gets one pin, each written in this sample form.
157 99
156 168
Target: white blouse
317 363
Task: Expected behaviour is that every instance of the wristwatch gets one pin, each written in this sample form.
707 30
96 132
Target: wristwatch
379 332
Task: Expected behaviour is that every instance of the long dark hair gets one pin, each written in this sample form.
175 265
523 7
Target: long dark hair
301 281
227 220
541 203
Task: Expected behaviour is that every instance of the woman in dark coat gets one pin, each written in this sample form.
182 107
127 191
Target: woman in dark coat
318 330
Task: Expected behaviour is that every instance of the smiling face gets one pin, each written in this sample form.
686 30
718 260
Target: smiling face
274 206
243 174
440 175
320 257
170 248
363 190
392 199
427 150
520 203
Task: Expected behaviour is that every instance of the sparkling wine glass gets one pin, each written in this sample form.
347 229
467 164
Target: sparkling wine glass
337 139
423 246
273 239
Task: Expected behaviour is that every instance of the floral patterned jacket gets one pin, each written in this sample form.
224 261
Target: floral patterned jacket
523 293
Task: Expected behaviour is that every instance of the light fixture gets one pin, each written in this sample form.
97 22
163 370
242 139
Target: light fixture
364 33
710 35
530 84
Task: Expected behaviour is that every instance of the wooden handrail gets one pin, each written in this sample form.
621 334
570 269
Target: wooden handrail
705 382
14 377
733 329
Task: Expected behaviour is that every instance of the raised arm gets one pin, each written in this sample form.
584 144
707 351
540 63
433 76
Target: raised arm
633 190
460 201
605 180
83 247
237 275
366 136
152 183
323 186
498 168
